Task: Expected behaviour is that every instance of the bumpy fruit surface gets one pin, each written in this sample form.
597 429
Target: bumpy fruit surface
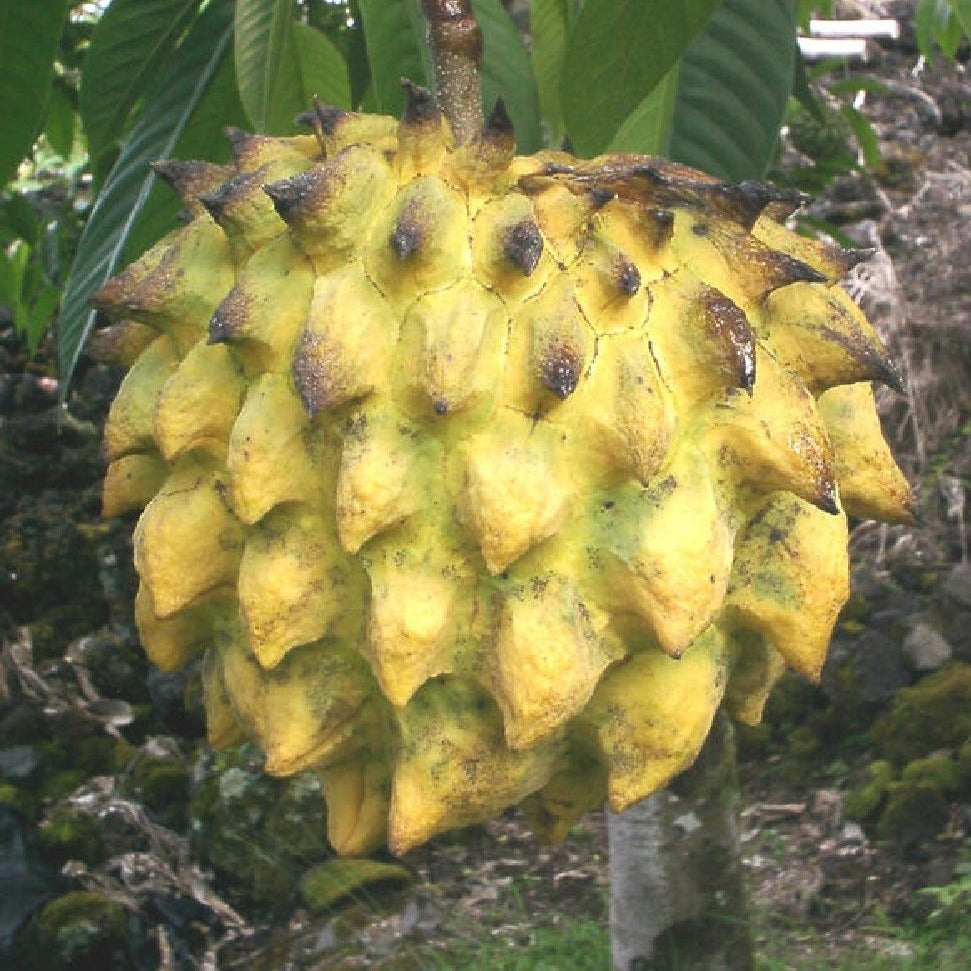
480 479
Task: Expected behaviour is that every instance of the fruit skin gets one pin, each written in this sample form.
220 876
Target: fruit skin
482 479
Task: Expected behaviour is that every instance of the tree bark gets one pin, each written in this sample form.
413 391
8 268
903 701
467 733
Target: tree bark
677 899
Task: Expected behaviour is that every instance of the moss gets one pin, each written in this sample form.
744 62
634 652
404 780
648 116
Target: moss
69 834
59 785
162 784
18 800
863 803
330 882
915 812
937 770
964 767
933 714
81 931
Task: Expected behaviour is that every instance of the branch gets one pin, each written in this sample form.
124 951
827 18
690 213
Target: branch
456 46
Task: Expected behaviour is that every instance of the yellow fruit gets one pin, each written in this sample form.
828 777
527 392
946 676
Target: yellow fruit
480 479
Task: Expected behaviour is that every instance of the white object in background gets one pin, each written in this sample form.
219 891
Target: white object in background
821 48
877 29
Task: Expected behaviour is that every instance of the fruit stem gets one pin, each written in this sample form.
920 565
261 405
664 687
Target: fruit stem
456 46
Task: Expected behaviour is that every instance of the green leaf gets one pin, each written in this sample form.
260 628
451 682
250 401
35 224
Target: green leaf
12 277
507 72
29 32
735 82
40 315
647 129
394 51
131 42
219 107
549 22
865 136
962 11
267 69
59 123
322 69
924 18
618 51
169 105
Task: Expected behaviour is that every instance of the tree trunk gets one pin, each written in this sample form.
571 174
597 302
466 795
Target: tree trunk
676 893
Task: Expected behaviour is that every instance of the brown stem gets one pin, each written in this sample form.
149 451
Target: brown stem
456 46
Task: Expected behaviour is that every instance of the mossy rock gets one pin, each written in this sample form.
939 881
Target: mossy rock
938 770
258 833
329 883
931 715
69 834
162 784
81 931
915 812
864 803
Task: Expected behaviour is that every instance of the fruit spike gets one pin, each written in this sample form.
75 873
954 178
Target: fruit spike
480 479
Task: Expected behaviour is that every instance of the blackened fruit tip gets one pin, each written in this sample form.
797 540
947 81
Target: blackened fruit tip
420 104
498 122
891 377
236 137
828 498
627 276
522 244
441 406
600 196
406 239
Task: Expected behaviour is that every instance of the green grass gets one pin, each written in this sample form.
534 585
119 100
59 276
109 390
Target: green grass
579 945
584 945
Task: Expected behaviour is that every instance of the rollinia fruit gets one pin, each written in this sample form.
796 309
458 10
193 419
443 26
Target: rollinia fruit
480 479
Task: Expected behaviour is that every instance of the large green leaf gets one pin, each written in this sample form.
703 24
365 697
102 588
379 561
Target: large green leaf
507 72
618 51
130 43
394 51
202 138
549 22
733 84
29 31
267 69
647 129
323 72
169 106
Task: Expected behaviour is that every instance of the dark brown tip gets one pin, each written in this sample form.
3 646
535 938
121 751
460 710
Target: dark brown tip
828 498
218 202
659 225
191 179
749 199
238 140
421 108
229 317
782 270
732 337
626 275
290 196
498 125
311 374
559 371
441 406
847 259
321 118
407 236
600 196
522 244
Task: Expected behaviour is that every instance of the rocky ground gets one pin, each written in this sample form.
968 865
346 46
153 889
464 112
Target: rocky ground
124 843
